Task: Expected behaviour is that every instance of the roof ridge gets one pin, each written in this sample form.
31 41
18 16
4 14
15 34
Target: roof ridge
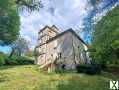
68 30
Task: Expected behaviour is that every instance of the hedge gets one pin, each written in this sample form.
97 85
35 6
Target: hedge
89 69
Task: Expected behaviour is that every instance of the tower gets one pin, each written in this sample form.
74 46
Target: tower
43 36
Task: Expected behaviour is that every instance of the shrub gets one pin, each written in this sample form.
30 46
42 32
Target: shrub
24 60
11 61
89 69
18 60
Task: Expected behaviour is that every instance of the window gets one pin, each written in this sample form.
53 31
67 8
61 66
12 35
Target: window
60 55
63 66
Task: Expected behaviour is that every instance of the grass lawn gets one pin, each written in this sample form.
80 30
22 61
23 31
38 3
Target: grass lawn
28 77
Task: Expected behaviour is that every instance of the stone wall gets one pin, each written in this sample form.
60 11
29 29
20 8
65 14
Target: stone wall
66 50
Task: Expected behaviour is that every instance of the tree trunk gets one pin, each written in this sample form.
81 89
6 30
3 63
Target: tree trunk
12 52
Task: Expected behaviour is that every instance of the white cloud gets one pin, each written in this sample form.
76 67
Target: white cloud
63 13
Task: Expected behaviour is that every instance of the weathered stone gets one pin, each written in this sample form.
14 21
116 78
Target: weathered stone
62 50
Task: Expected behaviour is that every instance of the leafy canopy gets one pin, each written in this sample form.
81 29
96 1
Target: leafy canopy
9 22
9 18
105 43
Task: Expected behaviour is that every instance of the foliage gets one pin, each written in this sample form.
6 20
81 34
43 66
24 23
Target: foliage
18 60
11 61
115 46
19 47
89 69
105 43
9 18
29 5
36 51
9 22
29 53
99 7
25 61
96 2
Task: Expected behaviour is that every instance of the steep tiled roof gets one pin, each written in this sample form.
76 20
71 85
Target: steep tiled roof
49 28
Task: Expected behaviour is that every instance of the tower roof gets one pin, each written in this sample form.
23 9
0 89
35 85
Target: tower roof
53 28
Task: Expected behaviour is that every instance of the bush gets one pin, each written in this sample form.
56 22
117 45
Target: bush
89 69
11 61
24 60
18 60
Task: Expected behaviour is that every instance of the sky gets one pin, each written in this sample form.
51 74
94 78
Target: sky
5 49
62 13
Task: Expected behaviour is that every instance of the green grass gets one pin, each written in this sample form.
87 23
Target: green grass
28 77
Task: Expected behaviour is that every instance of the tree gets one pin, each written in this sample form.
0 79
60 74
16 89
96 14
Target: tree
9 18
29 53
9 22
19 47
96 8
105 42
29 5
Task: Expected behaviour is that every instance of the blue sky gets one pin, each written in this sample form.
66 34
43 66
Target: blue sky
62 13
5 49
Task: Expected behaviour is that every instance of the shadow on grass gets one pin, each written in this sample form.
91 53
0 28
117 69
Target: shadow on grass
110 75
6 67
77 84
12 66
2 80
84 82
68 85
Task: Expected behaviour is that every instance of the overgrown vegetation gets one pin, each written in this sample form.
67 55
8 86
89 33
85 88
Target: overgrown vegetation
28 77
89 69
105 43
15 60
19 47
18 60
